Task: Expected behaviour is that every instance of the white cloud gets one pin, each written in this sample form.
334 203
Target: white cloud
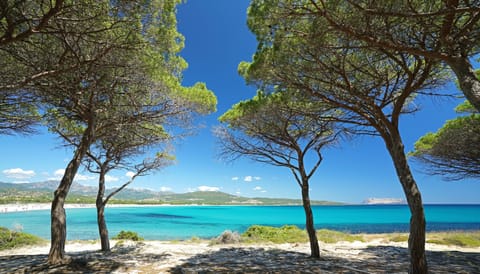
18 173
263 191
58 174
235 178
109 178
81 177
129 174
208 188
251 178
257 188
165 188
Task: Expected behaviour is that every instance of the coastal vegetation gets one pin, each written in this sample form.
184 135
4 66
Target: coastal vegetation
12 239
128 235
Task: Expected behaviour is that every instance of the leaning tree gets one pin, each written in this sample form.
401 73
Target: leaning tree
373 88
281 129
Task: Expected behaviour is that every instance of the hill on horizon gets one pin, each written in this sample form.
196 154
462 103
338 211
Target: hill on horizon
42 192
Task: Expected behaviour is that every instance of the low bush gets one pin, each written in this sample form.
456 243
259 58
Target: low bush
12 239
128 235
284 234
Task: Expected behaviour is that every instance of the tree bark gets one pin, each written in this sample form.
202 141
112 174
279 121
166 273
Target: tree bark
467 79
102 224
56 254
312 234
416 239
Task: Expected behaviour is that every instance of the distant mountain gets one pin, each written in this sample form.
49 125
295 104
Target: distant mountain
43 192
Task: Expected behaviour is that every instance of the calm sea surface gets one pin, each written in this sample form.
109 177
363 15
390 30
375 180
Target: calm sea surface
183 222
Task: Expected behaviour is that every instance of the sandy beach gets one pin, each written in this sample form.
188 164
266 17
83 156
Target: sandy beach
375 256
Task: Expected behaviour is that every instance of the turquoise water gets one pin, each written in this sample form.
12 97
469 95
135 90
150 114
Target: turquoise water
183 222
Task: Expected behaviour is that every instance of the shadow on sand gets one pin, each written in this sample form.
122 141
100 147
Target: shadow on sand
378 259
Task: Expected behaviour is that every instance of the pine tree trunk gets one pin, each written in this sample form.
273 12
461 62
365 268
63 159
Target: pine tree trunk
102 228
416 240
58 217
312 234
102 224
467 79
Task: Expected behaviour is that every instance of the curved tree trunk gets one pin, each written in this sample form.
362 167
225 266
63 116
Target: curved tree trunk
312 234
102 224
58 217
416 240
467 79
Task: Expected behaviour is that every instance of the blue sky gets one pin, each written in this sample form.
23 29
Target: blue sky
217 39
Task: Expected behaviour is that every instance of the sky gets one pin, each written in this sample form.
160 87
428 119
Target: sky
216 41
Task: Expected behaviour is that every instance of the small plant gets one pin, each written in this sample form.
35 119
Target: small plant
128 235
12 239
228 237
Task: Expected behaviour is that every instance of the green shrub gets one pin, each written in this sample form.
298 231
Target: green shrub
332 236
284 234
128 235
12 239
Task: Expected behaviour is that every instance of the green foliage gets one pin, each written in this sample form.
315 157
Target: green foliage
466 107
13 239
128 235
284 234
331 236
454 150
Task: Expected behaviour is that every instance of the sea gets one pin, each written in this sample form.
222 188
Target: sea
185 222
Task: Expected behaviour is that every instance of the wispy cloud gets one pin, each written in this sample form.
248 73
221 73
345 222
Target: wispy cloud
259 188
58 174
235 178
165 188
18 173
208 188
251 178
